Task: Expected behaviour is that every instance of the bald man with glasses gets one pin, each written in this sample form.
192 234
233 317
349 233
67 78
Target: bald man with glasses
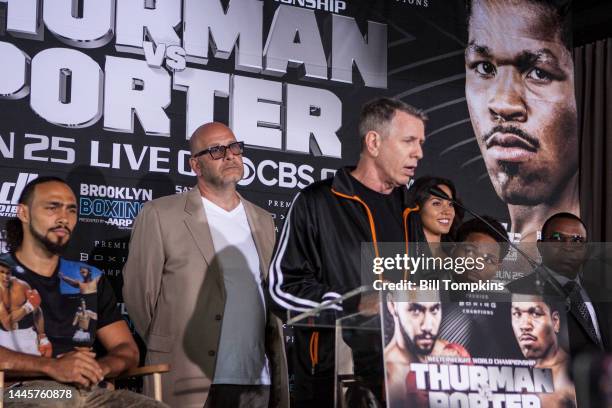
193 286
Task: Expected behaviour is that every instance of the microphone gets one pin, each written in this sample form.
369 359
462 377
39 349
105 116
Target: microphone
436 192
538 268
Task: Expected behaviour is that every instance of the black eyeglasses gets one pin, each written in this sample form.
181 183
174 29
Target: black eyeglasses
218 152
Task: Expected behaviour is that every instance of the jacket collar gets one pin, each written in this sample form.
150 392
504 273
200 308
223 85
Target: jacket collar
197 224
342 182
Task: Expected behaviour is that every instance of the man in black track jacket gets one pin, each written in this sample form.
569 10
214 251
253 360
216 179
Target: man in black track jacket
318 256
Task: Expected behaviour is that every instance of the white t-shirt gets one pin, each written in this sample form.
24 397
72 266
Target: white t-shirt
241 356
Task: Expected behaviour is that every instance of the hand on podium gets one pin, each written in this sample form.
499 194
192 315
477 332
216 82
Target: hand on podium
369 304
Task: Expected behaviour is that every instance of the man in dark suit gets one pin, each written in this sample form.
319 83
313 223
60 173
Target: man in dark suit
565 273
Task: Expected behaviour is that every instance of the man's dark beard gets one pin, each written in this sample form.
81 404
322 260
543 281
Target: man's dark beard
52 247
412 344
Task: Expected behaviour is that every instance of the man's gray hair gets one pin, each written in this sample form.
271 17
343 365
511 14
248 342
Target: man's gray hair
377 115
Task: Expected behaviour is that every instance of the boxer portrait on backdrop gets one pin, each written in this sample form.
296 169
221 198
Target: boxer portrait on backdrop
520 94
537 325
417 316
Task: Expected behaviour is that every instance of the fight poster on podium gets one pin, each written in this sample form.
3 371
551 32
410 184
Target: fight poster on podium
476 351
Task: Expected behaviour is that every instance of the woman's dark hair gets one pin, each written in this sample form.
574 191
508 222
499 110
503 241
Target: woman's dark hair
14 229
419 194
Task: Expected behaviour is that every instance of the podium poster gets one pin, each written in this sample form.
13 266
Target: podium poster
476 352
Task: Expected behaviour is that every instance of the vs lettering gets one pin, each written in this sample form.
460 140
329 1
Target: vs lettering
173 55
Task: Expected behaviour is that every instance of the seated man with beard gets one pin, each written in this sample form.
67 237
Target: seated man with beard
46 218
417 316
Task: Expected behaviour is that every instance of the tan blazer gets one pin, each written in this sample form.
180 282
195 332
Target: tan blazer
175 295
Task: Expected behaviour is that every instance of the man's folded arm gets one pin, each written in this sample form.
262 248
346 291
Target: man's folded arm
24 364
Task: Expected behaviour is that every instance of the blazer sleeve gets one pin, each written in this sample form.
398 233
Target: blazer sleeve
142 273
295 281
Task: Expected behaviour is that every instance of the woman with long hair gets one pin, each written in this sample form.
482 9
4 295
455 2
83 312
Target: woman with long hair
437 219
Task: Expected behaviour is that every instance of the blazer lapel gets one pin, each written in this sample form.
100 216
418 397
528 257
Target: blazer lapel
601 311
585 325
197 224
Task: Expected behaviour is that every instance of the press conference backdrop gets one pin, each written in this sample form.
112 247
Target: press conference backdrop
106 93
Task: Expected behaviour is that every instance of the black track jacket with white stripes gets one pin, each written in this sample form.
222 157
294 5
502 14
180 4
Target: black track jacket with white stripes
317 259
318 255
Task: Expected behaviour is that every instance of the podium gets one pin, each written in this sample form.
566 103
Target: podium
426 349
359 373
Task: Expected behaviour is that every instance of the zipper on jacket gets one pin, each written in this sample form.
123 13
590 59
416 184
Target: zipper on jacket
405 215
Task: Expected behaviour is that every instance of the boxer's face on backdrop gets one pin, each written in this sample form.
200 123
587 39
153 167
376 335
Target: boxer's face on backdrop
535 327
419 323
520 95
